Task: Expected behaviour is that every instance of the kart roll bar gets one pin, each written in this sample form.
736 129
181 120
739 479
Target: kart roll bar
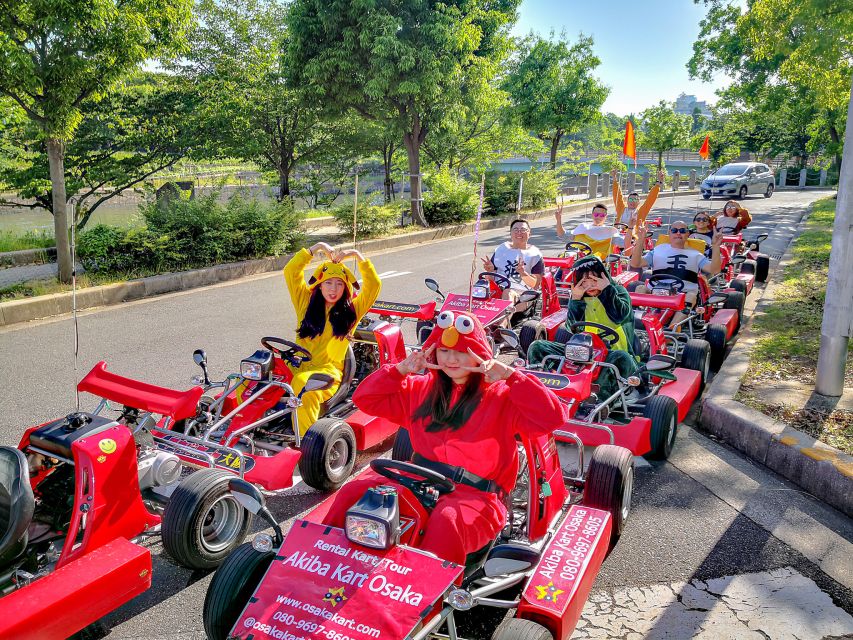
140 395
675 301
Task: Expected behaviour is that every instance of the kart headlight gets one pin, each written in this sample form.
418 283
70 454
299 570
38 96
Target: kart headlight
460 599
262 543
579 348
660 292
257 366
479 292
374 521
251 370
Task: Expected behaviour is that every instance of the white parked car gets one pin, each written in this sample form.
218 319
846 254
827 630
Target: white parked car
739 179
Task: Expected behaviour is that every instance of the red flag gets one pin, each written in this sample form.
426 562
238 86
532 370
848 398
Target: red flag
705 151
629 147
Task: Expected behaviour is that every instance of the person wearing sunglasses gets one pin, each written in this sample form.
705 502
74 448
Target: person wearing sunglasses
704 223
597 234
630 211
675 258
732 219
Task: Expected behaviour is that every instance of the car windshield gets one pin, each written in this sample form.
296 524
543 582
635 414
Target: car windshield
732 170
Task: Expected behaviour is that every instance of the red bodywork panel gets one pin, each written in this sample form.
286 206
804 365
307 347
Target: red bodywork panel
553 322
140 395
403 310
748 280
728 318
684 390
559 263
544 467
649 300
557 591
78 594
626 277
634 436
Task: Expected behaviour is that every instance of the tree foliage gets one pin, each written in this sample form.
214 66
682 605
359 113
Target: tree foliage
662 129
552 88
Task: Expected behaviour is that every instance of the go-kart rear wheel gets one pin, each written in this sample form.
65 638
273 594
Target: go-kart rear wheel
203 522
531 331
738 285
402 449
716 336
663 412
521 629
423 329
231 587
762 268
562 334
697 356
328 454
609 484
736 300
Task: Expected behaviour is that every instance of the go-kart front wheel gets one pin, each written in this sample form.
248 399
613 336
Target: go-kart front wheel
736 300
328 454
663 412
697 356
232 586
609 484
203 522
531 331
717 336
521 629
762 268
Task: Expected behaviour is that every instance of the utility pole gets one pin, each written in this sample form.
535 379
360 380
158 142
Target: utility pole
838 308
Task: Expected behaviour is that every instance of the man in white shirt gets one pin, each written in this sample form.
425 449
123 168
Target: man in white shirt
519 261
597 231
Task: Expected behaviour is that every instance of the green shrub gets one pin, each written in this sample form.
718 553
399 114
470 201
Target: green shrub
186 234
12 241
373 220
450 199
540 190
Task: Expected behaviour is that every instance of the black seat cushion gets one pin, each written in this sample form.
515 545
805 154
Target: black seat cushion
642 346
346 380
16 504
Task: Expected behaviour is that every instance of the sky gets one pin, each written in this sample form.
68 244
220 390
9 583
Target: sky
643 46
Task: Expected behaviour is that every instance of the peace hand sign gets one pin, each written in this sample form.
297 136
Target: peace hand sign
492 370
416 361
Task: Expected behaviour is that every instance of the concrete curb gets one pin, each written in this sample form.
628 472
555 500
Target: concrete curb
27 256
28 309
820 469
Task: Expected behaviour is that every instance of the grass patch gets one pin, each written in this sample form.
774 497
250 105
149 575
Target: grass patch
32 288
788 333
12 241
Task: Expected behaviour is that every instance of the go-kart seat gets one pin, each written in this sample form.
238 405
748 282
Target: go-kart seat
343 390
642 345
476 558
16 504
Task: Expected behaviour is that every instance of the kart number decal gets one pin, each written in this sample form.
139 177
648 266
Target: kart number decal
107 445
222 458
550 380
323 586
566 558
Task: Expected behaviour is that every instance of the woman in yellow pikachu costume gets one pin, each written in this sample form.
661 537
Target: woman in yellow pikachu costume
327 311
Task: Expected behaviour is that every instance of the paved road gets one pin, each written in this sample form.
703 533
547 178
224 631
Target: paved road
717 546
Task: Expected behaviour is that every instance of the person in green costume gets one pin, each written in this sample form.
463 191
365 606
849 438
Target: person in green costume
597 298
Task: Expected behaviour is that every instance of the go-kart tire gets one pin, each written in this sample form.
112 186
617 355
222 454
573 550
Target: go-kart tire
609 483
716 336
697 356
203 522
521 629
736 300
663 412
738 285
531 331
231 587
426 325
762 268
562 335
328 454
748 266
402 449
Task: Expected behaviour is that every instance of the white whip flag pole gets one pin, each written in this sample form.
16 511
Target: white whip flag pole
476 238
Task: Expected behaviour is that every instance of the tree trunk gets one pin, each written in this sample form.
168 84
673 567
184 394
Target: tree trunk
660 160
836 158
413 149
56 160
284 180
387 155
555 145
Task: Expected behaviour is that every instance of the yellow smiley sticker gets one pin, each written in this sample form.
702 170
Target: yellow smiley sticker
107 445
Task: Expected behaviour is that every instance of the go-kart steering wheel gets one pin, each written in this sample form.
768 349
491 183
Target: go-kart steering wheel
581 247
501 280
666 281
288 351
424 479
608 335
621 226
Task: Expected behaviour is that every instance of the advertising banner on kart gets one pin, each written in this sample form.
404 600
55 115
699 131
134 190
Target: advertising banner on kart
322 586
485 310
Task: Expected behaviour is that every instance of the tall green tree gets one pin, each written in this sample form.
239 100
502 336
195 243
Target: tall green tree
552 88
143 126
410 61
55 54
661 129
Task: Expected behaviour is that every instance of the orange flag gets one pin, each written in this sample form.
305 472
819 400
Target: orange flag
705 151
629 147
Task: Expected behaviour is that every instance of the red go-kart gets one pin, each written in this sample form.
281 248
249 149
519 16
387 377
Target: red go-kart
250 427
371 580
79 494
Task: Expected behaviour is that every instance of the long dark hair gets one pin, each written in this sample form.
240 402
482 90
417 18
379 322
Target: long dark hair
341 315
436 407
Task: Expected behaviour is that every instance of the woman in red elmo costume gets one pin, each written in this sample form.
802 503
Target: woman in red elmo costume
463 412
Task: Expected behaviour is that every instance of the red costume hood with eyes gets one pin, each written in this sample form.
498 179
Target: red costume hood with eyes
459 331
